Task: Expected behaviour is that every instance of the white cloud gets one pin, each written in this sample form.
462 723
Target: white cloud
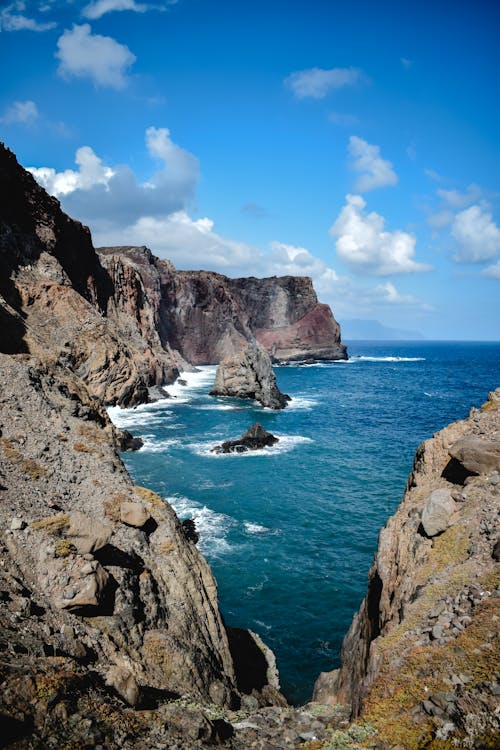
91 172
99 8
374 171
493 271
22 113
477 235
12 18
316 83
364 244
456 199
342 119
100 58
108 197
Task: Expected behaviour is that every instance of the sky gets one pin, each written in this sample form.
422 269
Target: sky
357 143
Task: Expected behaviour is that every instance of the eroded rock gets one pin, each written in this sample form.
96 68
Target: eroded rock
437 512
477 455
255 438
249 374
134 514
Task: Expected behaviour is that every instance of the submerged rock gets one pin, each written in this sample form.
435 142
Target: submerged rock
249 374
255 438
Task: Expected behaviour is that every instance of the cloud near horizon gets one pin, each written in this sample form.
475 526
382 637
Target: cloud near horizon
99 8
102 59
367 247
374 172
316 83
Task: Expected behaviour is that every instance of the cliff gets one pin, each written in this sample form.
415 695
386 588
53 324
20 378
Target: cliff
420 658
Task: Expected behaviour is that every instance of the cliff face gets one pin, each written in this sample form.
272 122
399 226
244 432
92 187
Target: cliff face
208 317
55 297
420 657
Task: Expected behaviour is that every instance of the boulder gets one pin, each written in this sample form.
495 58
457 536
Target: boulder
255 438
87 534
134 514
85 586
127 441
477 455
249 374
124 682
437 513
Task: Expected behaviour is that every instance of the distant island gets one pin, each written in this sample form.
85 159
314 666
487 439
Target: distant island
373 330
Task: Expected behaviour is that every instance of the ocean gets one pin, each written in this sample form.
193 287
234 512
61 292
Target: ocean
290 531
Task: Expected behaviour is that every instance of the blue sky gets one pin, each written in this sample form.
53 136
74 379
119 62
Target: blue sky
357 143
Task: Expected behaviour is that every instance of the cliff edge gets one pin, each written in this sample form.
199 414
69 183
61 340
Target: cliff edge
420 661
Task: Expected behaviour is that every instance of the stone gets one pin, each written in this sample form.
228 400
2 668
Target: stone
127 442
87 534
17 524
85 591
125 684
255 438
495 553
437 512
476 454
134 514
249 374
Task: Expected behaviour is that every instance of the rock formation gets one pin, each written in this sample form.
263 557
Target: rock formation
249 374
255 438
420 657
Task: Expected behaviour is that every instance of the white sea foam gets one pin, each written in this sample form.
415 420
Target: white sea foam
362 358
286 443
145 414
199 381
151 445
256 528
301 403
216 407
211 526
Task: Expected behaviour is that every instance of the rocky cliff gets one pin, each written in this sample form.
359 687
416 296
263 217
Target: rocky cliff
421 657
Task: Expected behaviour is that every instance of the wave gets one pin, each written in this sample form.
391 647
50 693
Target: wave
256 528
363 358
301 402
145 414
199 381
157 446
212 527
216 407
286 444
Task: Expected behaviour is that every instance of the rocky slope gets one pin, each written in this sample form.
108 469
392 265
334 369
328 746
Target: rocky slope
249 374
421 658
103 593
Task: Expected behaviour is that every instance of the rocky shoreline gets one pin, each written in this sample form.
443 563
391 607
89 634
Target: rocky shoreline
110 631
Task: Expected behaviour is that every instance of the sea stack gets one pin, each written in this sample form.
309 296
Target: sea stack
249 374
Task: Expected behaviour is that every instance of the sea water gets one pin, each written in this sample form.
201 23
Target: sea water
290 531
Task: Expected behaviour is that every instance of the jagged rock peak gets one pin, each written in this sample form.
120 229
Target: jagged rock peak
249 374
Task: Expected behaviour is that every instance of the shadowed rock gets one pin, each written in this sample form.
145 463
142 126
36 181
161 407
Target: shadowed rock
255 438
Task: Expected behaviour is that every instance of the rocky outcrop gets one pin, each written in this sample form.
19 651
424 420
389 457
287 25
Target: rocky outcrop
207 317
255 438
249 374
419 659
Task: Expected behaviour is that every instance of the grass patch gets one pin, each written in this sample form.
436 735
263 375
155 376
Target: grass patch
27 465
81 447
113 504
52 524
150 497
64 548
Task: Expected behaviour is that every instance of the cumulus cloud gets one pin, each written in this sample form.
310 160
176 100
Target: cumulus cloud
374 171
13 18
476 234
367 247
20 113
316 83
82 54
108 197
493 271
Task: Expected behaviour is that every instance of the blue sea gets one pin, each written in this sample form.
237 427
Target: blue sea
290 531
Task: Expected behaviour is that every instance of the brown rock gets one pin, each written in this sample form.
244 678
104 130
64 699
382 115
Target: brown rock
124 682
476 454
134 514
87 534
